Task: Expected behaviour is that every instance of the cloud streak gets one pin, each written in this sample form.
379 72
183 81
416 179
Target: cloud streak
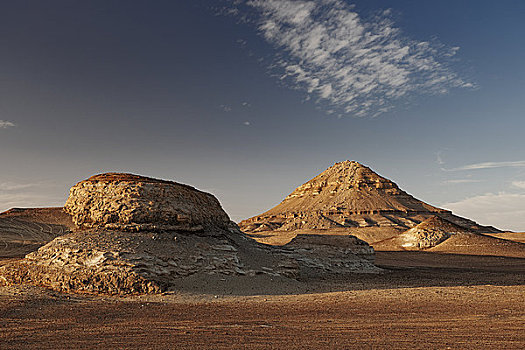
12 186
503 210
461 181
6 124
353 66
491 165
519 184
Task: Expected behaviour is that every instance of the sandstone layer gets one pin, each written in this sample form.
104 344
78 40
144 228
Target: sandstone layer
350 196
330 254
25 230
139 235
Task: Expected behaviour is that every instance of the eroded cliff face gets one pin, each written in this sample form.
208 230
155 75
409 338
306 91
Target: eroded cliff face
136 203
139 235
349 195
119 262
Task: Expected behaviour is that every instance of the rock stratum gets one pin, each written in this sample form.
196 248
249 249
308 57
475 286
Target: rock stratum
139 235
25 230
350 196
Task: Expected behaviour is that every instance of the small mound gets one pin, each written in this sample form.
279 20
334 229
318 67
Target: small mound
333 254
427 234
478 244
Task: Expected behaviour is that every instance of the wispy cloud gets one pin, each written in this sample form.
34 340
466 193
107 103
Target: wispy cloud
519 184
37 194
461 181
490 165
502 210
225 108
12 186
6 124
356 66
439 158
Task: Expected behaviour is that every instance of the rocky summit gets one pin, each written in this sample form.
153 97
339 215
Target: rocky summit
141 235
347 196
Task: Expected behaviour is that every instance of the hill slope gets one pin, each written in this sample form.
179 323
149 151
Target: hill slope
347 196
25 230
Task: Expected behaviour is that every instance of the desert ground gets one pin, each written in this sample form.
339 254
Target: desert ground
423 300
215 288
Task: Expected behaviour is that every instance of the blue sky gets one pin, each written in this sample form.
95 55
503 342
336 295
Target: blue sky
249 99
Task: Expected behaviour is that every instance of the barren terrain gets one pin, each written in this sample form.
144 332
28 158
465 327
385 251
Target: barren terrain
424 300
459 289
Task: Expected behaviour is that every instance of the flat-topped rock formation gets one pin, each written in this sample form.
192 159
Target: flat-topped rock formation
138 235
330 253
349 196
138 203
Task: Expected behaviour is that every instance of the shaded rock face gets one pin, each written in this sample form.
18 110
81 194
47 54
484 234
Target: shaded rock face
139 235
349 195
331 254
131 202
139 262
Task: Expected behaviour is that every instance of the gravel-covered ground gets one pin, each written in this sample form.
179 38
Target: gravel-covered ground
425 301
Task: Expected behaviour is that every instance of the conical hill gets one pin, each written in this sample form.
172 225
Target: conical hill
349 195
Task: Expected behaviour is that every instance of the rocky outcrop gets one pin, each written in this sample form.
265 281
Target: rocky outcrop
119 262
331 253
427 234
441 236
349 195
139 235
130 202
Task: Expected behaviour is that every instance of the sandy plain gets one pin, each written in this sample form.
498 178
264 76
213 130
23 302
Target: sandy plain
422 301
